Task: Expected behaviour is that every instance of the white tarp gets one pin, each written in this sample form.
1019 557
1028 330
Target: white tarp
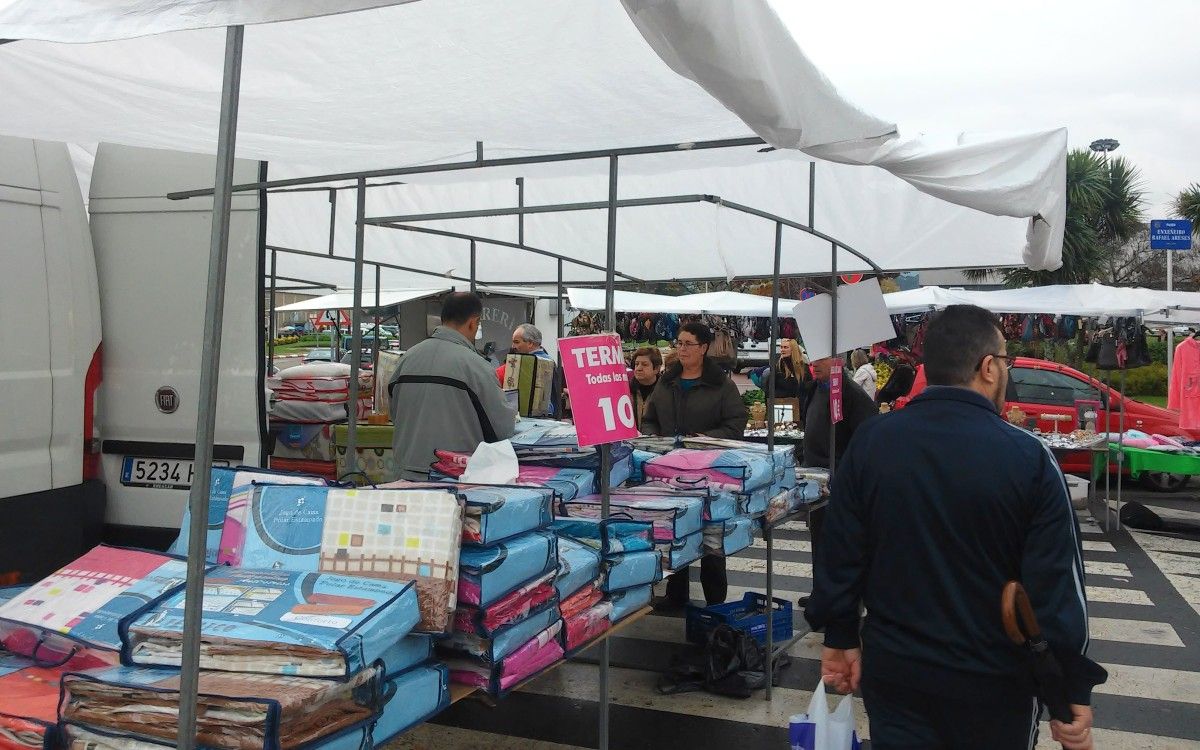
344 299
424 81
1091 300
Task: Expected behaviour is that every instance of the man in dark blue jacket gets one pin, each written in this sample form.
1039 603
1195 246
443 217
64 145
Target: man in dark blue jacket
934 508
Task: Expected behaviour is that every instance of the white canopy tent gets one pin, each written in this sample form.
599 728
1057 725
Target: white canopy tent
370 89
343 299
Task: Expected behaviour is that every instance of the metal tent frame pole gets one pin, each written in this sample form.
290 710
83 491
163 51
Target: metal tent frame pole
768 531
1108 453
271 320
833 352
1121 452
606 449
356 327
206 407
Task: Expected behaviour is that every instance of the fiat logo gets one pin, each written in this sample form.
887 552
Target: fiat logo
166 399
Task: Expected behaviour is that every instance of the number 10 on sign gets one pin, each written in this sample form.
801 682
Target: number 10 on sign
598 380
624 412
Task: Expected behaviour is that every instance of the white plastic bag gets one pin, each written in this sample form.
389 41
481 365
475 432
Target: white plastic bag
821 730
492 463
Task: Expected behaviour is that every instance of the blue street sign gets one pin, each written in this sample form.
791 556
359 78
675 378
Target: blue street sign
1171 234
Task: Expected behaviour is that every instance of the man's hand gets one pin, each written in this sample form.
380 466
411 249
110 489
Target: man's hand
842 669
1074 736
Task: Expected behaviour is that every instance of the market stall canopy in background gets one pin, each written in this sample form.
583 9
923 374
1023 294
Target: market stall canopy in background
423 82
1091 300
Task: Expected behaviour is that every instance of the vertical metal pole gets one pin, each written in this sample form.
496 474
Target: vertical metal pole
473 284
356 326
271 321
605 450
332 217
812 194
1121 454
521 217
561 304
1108 450
1170 328
773 363
375 353
210 368
769 536
833 317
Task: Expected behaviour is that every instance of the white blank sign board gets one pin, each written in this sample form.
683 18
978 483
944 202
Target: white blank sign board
862 320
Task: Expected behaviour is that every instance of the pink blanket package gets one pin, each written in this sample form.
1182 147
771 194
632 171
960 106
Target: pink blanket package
512 608
587 626
540 652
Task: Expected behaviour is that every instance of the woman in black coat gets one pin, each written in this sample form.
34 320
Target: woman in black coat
696 397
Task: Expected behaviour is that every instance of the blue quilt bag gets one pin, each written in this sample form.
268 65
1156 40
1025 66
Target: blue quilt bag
338 625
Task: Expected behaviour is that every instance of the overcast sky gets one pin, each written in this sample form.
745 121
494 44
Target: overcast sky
1123 70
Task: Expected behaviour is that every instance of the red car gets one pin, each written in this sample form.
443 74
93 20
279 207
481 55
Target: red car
1042 389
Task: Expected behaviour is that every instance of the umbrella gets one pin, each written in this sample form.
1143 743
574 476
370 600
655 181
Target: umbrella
1022 627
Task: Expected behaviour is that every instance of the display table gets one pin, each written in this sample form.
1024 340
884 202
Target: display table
461 692
1139 460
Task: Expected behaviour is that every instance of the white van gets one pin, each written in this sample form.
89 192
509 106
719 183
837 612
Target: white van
51 506
152 263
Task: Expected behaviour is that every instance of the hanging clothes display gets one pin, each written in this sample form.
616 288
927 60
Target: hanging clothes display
1183 392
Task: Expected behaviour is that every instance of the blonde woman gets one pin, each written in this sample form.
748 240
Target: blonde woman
792 372
864 372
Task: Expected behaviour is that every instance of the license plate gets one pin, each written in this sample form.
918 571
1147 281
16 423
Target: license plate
160 473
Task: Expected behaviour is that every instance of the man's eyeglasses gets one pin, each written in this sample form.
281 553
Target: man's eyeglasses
684 344
1009 360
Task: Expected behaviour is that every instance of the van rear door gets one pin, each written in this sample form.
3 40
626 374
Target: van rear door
152 260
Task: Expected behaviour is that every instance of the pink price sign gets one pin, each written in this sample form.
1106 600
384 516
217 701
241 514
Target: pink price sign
598 380
835 394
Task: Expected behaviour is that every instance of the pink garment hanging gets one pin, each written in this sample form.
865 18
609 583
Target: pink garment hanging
1183 392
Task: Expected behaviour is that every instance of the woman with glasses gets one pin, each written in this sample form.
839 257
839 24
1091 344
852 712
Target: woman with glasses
695 397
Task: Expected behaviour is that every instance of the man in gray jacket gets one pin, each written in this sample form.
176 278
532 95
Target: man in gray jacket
444 395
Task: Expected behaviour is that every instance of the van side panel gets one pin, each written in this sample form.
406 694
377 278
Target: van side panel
152 263
49 336
74 310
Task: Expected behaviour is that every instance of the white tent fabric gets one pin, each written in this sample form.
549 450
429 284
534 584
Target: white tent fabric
423 82
891 222
106 20
344 299
1092 300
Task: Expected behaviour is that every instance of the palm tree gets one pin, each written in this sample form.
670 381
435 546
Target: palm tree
1104 210
1187 205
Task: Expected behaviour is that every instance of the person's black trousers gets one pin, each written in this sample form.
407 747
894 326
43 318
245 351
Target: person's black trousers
906 719
713 579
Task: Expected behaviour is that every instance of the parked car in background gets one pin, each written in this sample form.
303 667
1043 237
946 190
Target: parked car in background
1044 389
319 355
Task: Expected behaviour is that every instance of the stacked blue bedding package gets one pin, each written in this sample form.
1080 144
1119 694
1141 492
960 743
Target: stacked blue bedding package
344 628
504 570
630 564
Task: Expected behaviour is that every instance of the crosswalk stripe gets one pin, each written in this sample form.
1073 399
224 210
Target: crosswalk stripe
1134 631
1151 682
1165 543
1114 569
1173 562
781 567
1118 596
1091 546
785 545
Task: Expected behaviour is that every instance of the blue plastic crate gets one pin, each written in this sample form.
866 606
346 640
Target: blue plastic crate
748 615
